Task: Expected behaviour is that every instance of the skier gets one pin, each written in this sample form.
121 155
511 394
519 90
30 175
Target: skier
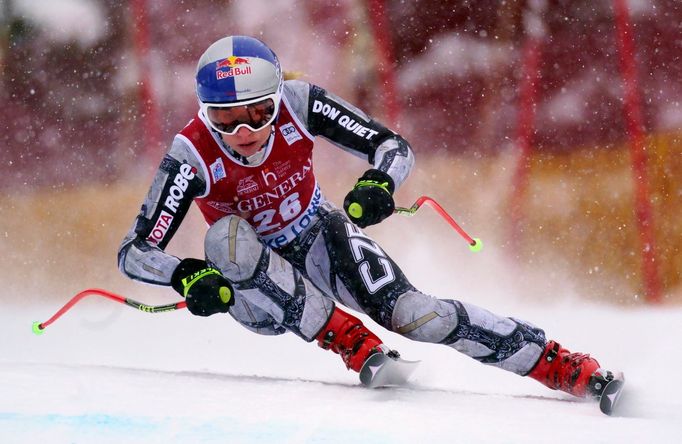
279 257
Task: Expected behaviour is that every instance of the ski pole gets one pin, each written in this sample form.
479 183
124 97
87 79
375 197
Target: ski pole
39 327
475 244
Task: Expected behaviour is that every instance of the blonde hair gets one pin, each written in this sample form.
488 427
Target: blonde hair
293 75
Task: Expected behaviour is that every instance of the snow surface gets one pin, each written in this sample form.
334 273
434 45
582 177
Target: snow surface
105 373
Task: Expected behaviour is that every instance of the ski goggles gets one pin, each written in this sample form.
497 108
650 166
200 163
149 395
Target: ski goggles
254 114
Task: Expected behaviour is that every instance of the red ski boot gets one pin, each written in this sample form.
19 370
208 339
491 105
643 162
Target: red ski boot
574 373
346 335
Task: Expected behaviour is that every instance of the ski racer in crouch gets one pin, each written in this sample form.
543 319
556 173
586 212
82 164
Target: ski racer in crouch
279 257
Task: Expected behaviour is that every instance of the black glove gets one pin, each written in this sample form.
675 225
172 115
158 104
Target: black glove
206 291
371 199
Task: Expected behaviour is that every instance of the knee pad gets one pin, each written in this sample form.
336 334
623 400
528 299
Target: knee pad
232 245
423 318
265 279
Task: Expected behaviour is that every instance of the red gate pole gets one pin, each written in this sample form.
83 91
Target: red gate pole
530 74
385 64
150 119
635 130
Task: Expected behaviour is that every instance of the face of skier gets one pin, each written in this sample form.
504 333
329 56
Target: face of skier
247 142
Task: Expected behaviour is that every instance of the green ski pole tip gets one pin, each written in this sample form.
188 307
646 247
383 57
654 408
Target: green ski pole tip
37 329
476 246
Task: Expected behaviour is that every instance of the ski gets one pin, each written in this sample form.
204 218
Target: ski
382 370
611 394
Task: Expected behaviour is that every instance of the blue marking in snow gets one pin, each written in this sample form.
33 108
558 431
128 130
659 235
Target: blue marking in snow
105 428
75 429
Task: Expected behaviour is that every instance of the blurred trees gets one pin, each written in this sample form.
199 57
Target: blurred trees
72 114
73 104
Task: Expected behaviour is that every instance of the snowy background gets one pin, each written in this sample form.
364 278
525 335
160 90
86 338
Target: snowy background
77 168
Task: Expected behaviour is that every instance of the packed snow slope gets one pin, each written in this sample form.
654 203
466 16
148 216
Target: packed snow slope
105 373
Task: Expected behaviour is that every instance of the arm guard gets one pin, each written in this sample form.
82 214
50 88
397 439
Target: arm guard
176 183
350 129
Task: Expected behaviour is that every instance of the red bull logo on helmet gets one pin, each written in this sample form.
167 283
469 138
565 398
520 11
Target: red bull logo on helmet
231 62
235 67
